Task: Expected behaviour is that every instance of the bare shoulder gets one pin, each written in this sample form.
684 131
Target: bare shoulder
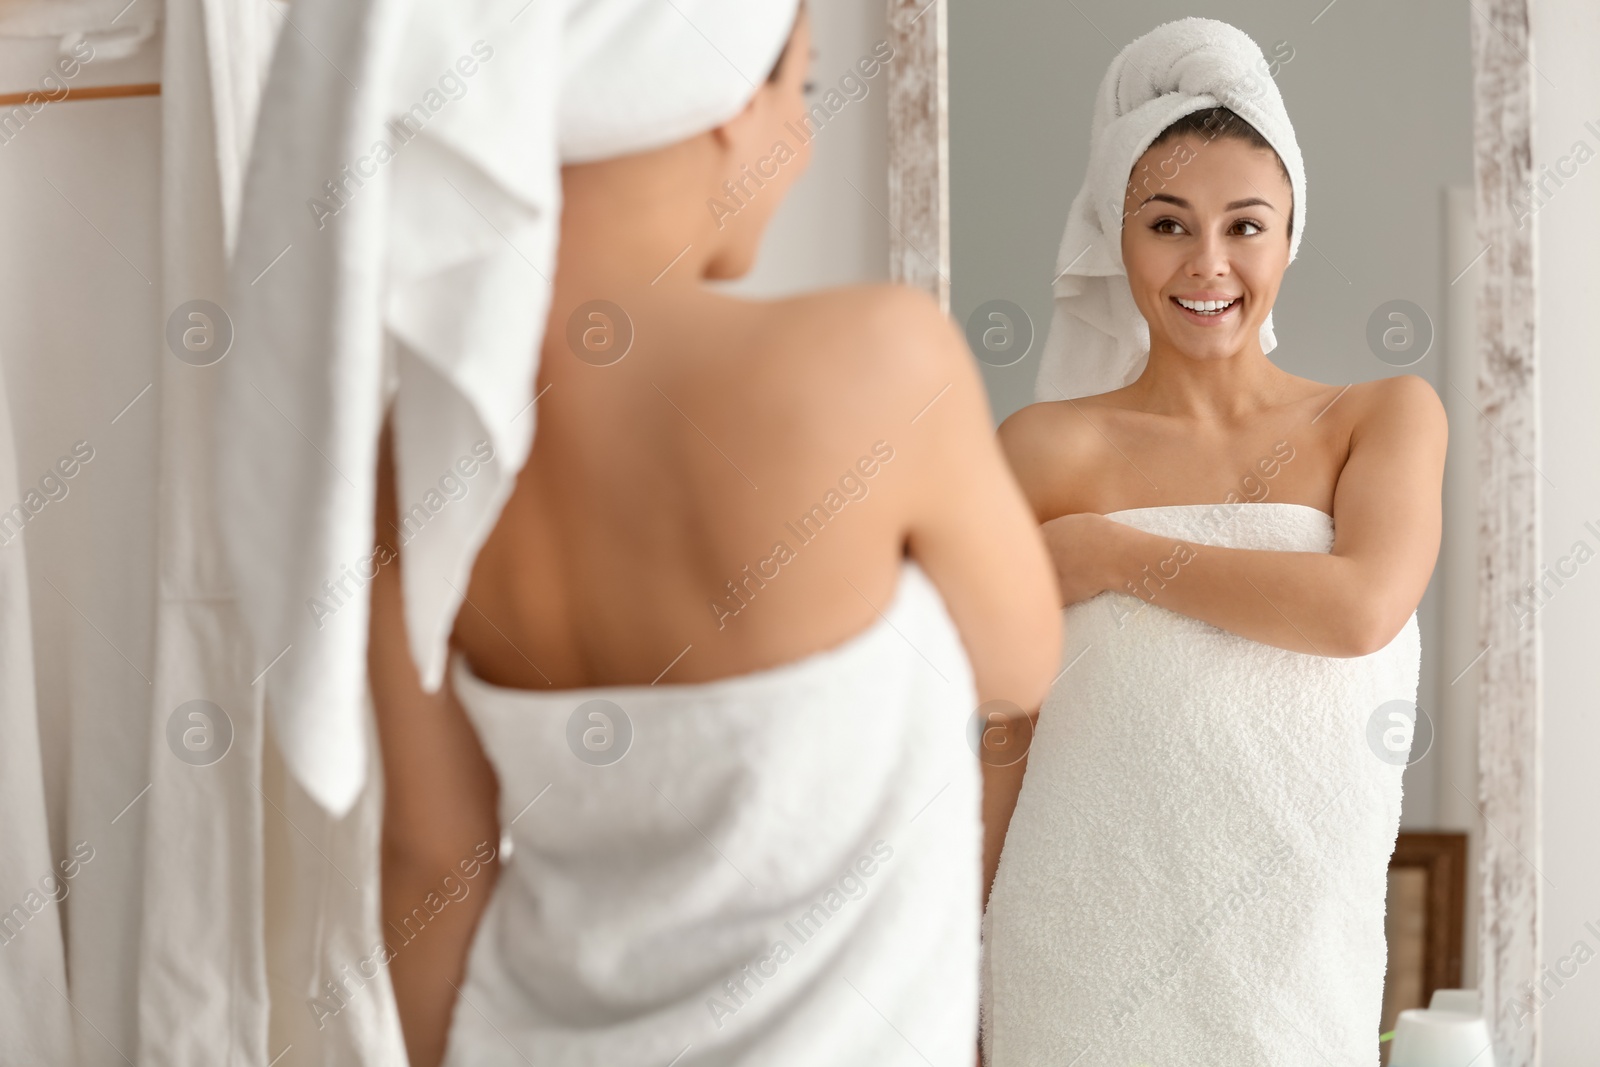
888 326
1050 428
881 352
1401 407
884 302
884 364
1052 447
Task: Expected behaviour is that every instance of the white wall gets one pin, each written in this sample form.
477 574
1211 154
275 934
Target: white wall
831 230
1566 54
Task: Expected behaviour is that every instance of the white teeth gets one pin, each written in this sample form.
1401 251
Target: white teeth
1206 306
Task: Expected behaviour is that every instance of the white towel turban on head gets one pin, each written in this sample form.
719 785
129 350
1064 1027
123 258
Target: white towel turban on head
397 239
1098 340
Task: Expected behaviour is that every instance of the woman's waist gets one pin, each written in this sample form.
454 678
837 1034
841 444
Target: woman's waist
1128 625
1168 695
719 787
672 918
598 920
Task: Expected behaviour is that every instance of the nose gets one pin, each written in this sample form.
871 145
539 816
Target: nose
1209 257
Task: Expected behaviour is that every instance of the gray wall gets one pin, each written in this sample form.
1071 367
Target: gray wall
1380 97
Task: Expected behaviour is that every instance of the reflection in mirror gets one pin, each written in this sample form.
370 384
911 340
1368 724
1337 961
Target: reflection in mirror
1200 847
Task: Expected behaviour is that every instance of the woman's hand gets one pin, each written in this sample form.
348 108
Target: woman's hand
1083 548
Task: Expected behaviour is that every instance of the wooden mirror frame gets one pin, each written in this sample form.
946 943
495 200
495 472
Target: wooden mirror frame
1510 696
1442 859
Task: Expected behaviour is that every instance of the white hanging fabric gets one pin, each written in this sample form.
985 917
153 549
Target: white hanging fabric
35 1026
157 892
203 994
115 28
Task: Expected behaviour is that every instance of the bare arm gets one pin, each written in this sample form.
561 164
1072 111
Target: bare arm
439 813
1002 784
977 538
1350 602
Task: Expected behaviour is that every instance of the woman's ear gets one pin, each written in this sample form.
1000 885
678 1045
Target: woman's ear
746 136
736 137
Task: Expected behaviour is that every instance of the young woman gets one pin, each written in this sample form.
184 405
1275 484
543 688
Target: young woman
712 677
1195 866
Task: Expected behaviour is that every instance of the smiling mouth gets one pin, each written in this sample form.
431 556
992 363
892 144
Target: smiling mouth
1208 311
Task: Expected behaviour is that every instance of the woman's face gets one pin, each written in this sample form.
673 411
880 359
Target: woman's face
1206 220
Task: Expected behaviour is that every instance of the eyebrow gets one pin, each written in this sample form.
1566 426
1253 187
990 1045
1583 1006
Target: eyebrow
1181 202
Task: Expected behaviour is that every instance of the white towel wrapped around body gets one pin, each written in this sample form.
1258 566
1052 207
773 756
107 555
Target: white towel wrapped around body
1196 868
780 870
1098 340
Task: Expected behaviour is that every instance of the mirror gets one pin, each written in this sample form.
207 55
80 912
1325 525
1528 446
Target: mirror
993 105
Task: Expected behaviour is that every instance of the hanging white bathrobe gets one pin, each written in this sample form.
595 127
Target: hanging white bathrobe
244 913
141 847
203 993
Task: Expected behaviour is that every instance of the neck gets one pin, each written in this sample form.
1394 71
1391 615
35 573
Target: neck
631 223
1225 389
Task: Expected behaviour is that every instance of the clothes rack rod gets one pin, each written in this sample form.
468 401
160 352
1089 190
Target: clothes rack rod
88 92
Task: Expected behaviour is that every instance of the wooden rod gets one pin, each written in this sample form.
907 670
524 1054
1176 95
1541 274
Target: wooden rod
88 92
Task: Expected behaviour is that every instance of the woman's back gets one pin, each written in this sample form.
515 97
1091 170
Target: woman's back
735 491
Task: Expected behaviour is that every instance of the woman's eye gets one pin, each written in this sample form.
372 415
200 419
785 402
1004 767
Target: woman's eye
1173 226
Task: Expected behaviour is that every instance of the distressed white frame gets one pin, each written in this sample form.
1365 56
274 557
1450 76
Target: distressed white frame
1510 698
919 147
